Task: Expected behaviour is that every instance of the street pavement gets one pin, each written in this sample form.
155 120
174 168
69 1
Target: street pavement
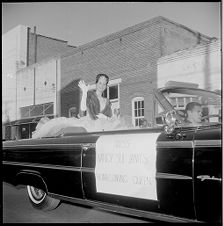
18 209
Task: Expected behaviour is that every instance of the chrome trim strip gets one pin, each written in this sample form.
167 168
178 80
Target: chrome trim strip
207 143
160 144
82 181
48 166
90 170
193 183
172 176
175 144
158 175
38 145
125 210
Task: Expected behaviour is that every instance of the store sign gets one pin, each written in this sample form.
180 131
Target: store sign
126 165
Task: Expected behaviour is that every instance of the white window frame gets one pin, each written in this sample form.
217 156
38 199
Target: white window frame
177 107
137 99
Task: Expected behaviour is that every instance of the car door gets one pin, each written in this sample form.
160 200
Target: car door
175 172
120 169
208 174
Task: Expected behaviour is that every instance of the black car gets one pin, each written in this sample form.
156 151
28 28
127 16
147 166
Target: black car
170 171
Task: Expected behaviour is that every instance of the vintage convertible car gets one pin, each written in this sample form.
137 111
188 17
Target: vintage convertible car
169 172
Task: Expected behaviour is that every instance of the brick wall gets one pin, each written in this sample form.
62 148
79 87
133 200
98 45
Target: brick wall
46 47
131 55
177 37
70 97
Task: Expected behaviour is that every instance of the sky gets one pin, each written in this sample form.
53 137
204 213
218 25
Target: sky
82 22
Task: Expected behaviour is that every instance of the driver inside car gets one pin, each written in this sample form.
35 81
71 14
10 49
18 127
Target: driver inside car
193 114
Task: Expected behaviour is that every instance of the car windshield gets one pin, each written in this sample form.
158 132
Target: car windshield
210 102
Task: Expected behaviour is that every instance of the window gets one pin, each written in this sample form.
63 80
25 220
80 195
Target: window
113 92
48 109
179 101
36 110
137 110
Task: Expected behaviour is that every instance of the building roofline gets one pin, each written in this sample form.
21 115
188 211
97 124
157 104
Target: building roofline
126 31
185 27
52 38
191 51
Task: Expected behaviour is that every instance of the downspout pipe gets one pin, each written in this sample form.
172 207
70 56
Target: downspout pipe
35 45
27 52
35 58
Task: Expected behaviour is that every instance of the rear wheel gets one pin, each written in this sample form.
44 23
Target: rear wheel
40 200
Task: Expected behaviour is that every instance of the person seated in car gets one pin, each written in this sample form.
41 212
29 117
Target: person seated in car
98 117
193 114
93 102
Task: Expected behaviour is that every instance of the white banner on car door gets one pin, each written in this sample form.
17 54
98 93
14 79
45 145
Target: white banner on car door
126 165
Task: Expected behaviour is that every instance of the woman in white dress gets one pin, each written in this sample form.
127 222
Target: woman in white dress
95 112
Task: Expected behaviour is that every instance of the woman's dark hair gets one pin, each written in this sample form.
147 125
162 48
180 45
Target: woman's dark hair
102 75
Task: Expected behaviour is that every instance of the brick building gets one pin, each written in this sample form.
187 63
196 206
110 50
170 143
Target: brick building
40 47
22 49
200 65
129 57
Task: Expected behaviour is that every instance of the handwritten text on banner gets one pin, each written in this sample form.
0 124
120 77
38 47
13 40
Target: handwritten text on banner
126 165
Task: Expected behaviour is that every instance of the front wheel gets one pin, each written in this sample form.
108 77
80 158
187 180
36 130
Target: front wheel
40 200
